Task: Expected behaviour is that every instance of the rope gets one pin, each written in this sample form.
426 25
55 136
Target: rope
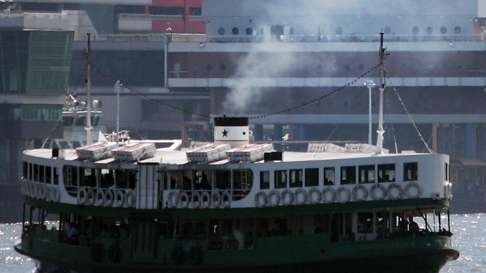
412 120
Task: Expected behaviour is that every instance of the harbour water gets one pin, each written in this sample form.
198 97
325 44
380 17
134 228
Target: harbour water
469 238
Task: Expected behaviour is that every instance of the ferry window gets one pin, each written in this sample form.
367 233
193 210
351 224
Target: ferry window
365 222
446 167
201 181
223 178
382 224
70 175
56 176
36 172
242 182
367 174
106 178
31 171
67 121
312 177
235 31
329 176
87 177
132 179
264 180
42 177
25 171
280 179
410 171
386 173
348 175
295 178
48 175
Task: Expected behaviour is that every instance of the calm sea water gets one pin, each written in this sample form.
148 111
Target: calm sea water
469 239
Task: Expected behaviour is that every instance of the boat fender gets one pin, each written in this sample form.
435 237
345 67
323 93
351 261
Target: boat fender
413 190
205 199
196 255
300 196
226 199
360 193
196 200
378 192
343 195
328 195
394 192
261 199
172 197
314 196
274 198
119 198
215 199
287 198
90 197
183 200
108 198
99 197
178 255
82 195
129 199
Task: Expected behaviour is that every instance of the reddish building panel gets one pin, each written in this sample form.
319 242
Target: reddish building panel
177 3
177 26
196 27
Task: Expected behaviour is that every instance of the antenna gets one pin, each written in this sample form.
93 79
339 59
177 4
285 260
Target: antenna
88 128
117 90
380 132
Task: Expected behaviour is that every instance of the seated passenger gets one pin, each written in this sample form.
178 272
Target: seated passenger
412 226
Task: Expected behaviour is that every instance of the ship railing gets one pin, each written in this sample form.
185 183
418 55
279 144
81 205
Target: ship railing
106 197
199 199
41 191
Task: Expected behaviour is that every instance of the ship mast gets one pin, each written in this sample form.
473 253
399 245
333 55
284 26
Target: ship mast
380 132
88 128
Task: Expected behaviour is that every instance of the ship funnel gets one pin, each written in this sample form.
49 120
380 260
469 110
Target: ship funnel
231 130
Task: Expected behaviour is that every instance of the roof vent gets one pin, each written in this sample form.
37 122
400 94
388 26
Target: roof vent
208 153
96 151
249 152
134 151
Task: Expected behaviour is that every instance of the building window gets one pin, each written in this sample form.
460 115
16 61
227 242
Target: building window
25 169
48 175
312 177
443 30
429 30
329 176
367 174
446 167
415 30
348 175
386 173
264 180
295 178
249 31
195 11
166 10
457 30
235 31
280 179
365 222
410 171
221 31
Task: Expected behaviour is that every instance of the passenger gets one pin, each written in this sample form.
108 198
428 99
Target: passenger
403 224
412 226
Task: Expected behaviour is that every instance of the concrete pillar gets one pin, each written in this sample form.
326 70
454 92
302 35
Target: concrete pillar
470 140
258 132
435 126
277 132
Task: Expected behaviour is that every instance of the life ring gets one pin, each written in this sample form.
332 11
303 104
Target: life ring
360 193
300 196
108 198
196 200
183 200
172 199
343 195
328 195
99 197
205 199
261 199
314 196
82 195
394 192
287 198
215 199
413 190
129 199
90 197
226 199
119 198
378 192
274 198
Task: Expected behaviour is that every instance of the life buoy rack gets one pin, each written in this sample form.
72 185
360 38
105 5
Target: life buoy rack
118 198
413 190
360 193
273 198
108 198
378 192
100 197
215 199
183 200
226 199
196 200
129 199
82 195
287 197
205 200
300 197
328 195
172 199
394 192
261 199
343 195
314 196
